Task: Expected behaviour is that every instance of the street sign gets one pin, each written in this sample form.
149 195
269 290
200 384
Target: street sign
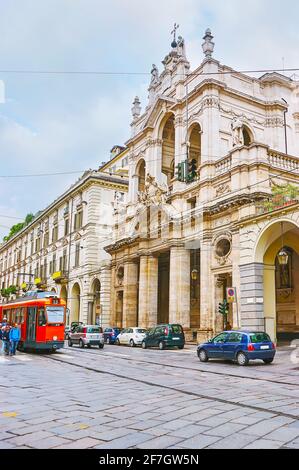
231 295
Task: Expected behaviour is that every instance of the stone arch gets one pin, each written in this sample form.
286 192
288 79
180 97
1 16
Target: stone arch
75 302
94 309
63 293
280 303
140 173
167 132
194 139
248 136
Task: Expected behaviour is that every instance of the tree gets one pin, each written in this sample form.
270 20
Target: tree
18 227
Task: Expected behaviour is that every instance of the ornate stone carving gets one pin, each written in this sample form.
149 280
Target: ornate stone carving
155 75
223 247
153 194
222 189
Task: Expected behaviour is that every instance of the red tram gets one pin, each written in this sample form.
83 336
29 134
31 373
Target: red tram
41 317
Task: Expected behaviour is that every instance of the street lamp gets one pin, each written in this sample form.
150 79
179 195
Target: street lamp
282 256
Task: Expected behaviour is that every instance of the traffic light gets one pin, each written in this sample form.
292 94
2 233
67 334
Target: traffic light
191 170
180 171
223 308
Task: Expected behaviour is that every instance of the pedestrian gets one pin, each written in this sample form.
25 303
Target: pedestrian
5 339
14 338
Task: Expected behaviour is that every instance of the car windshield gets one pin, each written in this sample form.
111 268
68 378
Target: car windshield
93 329
259 337
176 329
141 330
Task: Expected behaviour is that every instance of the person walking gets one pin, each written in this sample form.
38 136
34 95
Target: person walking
14 338
1 342
3 325
5 339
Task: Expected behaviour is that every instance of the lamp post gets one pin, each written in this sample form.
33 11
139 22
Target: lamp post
285 127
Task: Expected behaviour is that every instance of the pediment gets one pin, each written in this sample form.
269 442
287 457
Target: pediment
161 104
77 236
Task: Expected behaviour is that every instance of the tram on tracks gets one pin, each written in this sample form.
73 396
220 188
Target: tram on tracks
41 318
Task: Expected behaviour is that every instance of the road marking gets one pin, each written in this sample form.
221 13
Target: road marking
115 354
3 359
67 356
10 414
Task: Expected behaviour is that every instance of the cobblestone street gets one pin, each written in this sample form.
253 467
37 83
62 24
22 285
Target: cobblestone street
129 398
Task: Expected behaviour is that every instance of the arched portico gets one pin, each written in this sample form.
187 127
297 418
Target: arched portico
94 306
269 292
75 303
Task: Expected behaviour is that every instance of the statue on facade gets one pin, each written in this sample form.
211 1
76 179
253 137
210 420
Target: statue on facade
237 132
155 75
181 47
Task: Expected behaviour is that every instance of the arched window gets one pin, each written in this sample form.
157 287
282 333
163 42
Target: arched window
247 138
195 144
168 148
141 175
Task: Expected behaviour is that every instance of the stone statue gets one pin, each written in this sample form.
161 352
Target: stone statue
155 75
237 134
181 47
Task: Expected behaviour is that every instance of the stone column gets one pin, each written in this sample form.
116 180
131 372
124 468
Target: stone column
148 291
105 297
252 296
130 294
179 286
206 293
112 296
270 300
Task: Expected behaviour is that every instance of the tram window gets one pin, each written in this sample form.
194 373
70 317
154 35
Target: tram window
22 315
42 320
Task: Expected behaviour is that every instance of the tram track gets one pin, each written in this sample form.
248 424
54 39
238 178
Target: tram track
175 389
194 369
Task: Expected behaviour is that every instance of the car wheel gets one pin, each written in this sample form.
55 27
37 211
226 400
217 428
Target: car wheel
89 346
117 342
70 344
202 355
242 359
161 345
143 345
181 347
101 346
132 344
81 344
268 361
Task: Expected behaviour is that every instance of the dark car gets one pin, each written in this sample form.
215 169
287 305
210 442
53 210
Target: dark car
110 334
163 336
240 346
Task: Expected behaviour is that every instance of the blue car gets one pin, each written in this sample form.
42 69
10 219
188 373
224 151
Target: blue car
240 346
110 334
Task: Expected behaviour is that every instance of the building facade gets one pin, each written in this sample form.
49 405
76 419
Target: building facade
213 183
62 249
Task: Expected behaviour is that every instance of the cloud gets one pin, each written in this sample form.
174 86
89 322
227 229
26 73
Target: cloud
70 122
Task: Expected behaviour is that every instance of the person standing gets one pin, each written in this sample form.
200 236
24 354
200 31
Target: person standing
3 325
5 339
14 338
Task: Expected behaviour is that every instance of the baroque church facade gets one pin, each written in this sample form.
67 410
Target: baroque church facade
212 201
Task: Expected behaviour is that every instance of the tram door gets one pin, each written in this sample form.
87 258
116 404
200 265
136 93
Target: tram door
31 323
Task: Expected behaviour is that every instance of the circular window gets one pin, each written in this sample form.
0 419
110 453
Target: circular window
223 247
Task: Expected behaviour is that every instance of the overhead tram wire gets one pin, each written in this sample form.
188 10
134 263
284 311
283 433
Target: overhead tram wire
121 73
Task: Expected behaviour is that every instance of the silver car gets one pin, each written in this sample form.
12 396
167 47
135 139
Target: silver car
87 335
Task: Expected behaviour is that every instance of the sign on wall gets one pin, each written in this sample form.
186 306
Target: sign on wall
231 295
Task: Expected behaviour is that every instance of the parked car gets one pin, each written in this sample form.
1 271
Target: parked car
131 336
86 335
110 334
240 346
166 335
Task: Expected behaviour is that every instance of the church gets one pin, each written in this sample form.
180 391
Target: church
213 205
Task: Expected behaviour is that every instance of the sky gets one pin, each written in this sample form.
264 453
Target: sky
68 122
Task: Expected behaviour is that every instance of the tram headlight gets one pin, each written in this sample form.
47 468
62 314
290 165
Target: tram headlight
54 338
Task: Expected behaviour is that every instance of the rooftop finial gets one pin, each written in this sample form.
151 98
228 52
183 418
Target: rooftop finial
136 109
208 44
174 43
